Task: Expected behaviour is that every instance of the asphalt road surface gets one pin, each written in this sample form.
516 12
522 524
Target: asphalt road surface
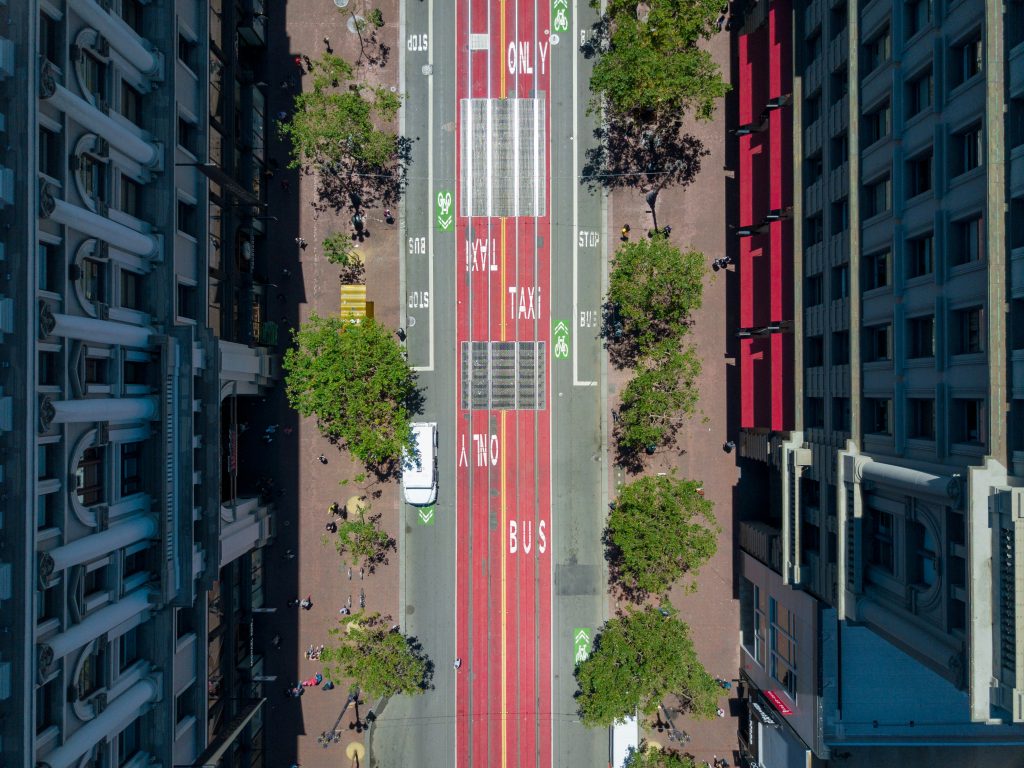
503 271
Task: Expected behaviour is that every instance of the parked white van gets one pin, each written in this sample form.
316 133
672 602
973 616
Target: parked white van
419 472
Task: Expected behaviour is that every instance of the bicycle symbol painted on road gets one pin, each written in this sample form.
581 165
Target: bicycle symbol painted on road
560 331
561 23
561 347
443 209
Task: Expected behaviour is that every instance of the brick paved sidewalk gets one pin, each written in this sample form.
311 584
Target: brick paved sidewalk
292 726
697 215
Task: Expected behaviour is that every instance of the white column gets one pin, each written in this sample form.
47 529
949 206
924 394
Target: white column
98 544
912 481
118 235
117 715
100 331
121 36
124 139
94 625
104 409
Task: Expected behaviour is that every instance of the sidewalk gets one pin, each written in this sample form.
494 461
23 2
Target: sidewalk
697 215
293 725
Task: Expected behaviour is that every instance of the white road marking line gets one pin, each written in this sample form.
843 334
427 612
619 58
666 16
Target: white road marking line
576 213
431 192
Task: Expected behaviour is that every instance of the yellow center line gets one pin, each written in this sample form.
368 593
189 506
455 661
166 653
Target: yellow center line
504 531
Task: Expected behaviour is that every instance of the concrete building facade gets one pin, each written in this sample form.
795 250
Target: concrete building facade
130 560
898 493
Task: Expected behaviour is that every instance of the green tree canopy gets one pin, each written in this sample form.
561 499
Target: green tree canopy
363 540
355 380
653 64
335 123
652 757
638 659
653 288
379 662
657 399
660 530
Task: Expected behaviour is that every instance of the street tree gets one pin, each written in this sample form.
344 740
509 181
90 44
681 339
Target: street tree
660 529
340 250
652 757
639 658
353 377
378 661
651 64
660 396
652 289
362 539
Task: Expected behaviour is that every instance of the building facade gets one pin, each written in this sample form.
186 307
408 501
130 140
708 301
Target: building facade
898 489
131 330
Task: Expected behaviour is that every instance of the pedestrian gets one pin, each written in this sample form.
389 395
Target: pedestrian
388 217
333 509
728 446
294 602
268 439
458 662
276 640
327 42
242 427
322 459
344 611
720 712
288 430
308 62
298 61
307 603
331 527
328 686
301 242
288 555
271 429
282 115
625 231
285 272
667 230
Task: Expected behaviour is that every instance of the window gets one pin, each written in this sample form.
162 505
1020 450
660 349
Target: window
840 84
46 697
187 219
95 581
919 174
840 217
91 677
969 327
813 168
840 282
968 421
46 513
968 151
840 151
877 343
877 197
782 646
131 290
919 15
838 21
876 269
814 46
921 337
94 280
923 559
49 369
135 563
94 75
128 649
966 60
128 742
134 372
184 704
131 12
131 103
96 370
51 152
49 33
186 134
840 347
877 124
878 415
89 477
131 197
877 51
968 241
187 51
93 175
814 351
131 469
920 256
50 259
813 293
812 108
920 91
921 418
186 301
759 626
881 552
841 414
815 229
183 622
814 412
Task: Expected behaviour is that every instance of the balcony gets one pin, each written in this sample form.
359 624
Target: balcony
1017 171
1017 273
1017 375
1017 71
763 542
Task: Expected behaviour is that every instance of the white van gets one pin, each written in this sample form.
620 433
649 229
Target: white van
419 472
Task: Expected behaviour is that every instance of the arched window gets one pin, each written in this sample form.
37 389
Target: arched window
92 675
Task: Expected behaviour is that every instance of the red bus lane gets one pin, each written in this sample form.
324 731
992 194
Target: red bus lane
503 600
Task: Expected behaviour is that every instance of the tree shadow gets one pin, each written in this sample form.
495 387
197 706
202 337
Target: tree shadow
380 557
623 349
416 647
616 579
375 186
648 154
372 52
597 41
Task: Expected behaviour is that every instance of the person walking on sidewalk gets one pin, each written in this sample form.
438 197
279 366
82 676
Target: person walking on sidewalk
307 603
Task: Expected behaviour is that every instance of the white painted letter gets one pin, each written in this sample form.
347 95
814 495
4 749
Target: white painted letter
543 544
513 545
